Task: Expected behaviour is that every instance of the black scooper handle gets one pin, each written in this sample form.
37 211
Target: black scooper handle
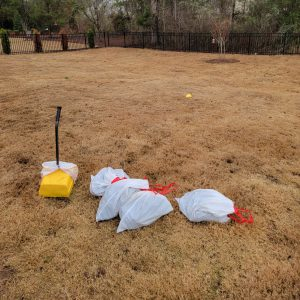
58 110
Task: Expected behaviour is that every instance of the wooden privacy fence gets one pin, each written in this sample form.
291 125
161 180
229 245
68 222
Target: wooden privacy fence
240 43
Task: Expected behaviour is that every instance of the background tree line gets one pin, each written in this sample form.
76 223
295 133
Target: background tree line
149 15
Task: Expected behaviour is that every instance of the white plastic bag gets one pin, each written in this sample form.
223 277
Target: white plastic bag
116 195
142 209
103 179
51 166
206 205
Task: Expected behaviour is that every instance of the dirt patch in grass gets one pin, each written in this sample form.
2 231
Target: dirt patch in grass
126 108
222 61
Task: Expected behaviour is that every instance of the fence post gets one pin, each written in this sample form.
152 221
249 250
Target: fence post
85 40
284 43
189 42
38 47
104 39
249 43
107 39
124 39
143 35
64 42
163 41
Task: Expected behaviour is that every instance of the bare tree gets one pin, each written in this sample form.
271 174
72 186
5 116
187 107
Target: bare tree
155 9
96 11
23 8
220 29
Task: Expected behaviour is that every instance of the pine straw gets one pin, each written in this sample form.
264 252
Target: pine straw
127 108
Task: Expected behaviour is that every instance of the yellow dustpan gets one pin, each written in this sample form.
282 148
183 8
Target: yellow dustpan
56 176
56 184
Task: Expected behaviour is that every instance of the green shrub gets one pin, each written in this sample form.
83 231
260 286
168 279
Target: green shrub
91 38
5 41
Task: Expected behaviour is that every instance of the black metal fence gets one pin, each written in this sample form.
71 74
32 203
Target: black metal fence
240 43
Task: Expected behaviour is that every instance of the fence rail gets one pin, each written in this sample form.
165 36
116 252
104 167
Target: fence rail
239 43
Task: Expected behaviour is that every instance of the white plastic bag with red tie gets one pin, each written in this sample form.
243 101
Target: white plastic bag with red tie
116 195
104 178
145 207
210 205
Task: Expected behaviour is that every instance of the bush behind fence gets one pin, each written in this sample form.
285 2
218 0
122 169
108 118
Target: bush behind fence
239 43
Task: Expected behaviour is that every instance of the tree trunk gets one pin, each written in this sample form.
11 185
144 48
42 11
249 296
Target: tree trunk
175 10
163 16
155 13
24 26
233 11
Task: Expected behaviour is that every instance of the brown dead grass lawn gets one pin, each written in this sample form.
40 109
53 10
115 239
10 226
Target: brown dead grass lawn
127 108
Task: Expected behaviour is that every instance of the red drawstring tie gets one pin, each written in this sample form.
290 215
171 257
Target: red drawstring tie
157 188
162 189
238 217
118 179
